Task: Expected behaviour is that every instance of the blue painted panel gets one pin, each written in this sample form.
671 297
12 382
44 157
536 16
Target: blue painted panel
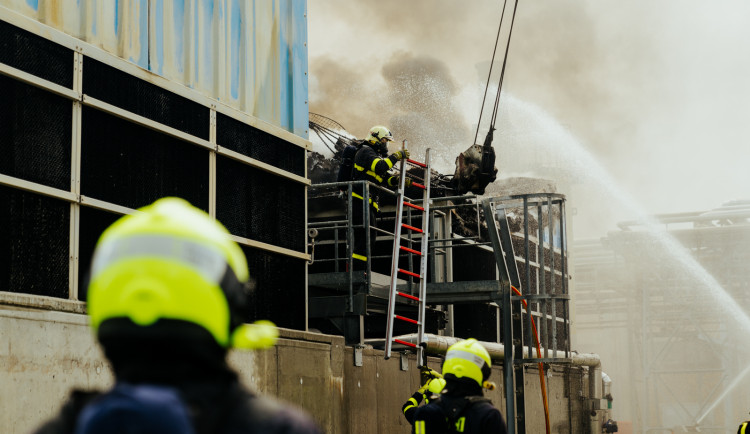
299 85
248 54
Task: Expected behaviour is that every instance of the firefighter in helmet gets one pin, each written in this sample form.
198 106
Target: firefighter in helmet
372 163
461 405
167 299
432 385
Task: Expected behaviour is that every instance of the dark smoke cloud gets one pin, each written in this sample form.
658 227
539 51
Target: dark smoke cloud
414 98
657 91
340 91
401 51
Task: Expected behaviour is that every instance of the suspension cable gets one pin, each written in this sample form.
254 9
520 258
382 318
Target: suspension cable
489 75
493 117
502 73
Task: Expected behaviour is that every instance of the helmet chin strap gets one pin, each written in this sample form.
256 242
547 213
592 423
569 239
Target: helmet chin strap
383 149
380 147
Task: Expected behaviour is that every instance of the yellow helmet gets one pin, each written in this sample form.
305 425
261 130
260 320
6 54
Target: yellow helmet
468 359
172 263
378 133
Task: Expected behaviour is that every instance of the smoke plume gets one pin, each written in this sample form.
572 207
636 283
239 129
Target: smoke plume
655 91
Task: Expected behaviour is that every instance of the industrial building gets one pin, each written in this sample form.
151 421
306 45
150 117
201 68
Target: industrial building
670 293
111 106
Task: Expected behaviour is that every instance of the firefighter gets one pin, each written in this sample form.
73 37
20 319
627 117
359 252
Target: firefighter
461 405
372 163
432 385
743 428
167 296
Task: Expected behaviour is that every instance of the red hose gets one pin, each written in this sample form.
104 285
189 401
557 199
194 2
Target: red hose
541 365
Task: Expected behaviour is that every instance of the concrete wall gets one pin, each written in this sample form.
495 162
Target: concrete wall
44 353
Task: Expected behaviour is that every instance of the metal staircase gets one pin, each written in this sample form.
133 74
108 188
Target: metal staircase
398 248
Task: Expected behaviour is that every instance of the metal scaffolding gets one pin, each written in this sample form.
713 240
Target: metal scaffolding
671 287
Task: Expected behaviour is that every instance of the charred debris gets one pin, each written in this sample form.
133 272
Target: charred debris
475 175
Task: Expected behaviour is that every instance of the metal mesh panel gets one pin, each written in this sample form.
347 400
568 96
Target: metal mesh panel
259 205
563 329
35 55
93 223
145 99
126 164
35 134
279 293
34 243
476 320
473 263
254 143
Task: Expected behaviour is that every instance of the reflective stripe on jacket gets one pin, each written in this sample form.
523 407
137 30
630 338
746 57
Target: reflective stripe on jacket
370 166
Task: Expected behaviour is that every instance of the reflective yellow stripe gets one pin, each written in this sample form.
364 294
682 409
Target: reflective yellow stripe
374 205
419 427
378 160
360 257
413 404
460 424
369 172
743 428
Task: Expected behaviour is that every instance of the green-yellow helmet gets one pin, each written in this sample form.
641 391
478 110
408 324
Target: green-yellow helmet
171 261
468 359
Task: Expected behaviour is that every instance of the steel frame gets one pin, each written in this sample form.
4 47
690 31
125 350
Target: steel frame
659 322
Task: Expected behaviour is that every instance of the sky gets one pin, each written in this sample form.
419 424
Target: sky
630 107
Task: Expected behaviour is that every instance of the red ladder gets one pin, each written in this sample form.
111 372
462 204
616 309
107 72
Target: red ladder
398 248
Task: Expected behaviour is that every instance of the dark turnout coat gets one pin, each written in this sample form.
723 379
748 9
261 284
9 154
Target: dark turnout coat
460 408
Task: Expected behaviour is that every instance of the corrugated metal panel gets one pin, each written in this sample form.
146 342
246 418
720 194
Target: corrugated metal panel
248 54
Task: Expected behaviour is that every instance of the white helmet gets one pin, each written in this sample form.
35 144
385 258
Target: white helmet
379 133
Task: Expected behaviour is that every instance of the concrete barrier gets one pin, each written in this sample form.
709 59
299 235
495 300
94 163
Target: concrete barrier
46 353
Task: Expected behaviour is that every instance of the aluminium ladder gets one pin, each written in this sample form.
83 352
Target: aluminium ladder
398 248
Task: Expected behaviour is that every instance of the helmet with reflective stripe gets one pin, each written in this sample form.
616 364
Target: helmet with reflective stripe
171 261
468 359
379 138
379 133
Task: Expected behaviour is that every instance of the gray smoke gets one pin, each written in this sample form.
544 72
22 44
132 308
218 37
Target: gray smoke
656 91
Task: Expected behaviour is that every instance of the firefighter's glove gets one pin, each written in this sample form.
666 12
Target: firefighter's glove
426 374
400 155
424 388
435 386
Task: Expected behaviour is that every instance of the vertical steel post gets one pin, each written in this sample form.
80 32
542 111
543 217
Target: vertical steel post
74 261
510 373
423 262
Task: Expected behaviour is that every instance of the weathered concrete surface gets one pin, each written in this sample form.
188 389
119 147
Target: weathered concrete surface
44 354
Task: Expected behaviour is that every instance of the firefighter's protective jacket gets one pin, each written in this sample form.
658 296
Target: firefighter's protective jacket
461 408
236 411
411 405
370 166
